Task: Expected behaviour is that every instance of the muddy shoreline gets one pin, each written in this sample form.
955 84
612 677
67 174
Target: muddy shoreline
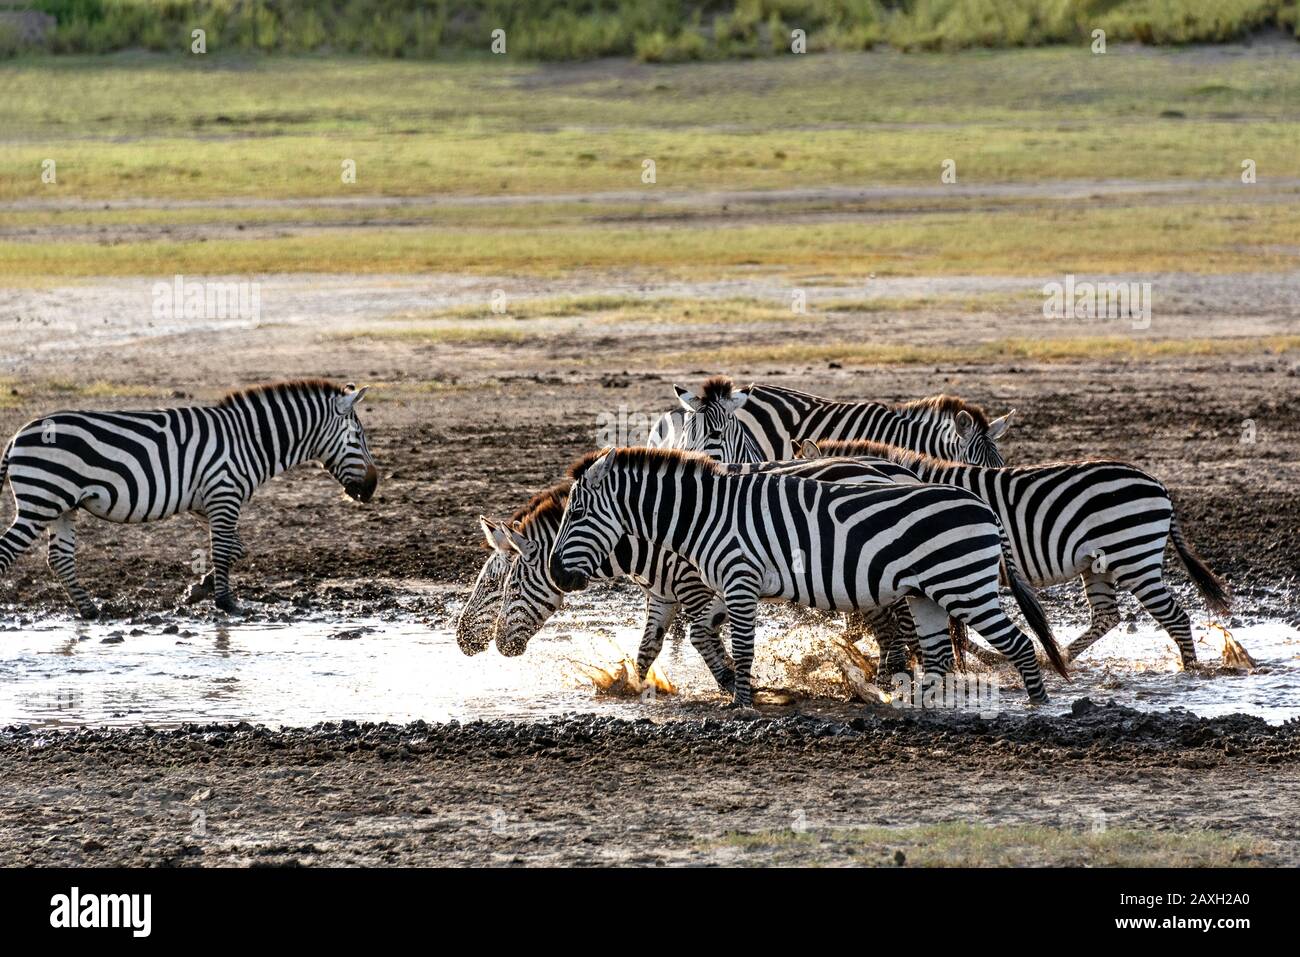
589 790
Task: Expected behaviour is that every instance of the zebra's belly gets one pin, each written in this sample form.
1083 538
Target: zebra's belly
99 504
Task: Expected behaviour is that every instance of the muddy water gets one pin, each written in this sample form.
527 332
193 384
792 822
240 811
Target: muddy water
60 673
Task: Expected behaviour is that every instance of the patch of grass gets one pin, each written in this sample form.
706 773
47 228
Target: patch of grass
977 845
438 333
658 30
196 127
1202 238
1112 347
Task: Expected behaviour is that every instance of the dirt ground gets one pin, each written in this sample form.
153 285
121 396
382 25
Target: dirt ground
465 428
592 791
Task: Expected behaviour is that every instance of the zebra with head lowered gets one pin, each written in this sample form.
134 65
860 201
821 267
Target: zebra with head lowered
526 597
144 466
1108 522
826 545
767 423
517 577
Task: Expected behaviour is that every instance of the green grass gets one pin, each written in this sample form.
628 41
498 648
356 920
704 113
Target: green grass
1222 238
975 845
654 29
164 127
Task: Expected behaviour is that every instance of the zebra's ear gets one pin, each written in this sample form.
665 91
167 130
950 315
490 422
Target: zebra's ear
808 449
351 396
999 426
687 398
496 533
738 398
964 423
522 545
598 469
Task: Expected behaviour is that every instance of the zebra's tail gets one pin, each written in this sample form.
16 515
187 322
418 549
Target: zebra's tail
1212 588
1032 608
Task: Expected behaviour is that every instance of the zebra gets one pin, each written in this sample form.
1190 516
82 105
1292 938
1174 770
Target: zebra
829 546
666 429
476 623
143 466
529 598
766 423
1106 521
516 579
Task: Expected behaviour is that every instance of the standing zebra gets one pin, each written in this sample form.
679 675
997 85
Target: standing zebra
765 423
144 466
1106 521
528 596
829 546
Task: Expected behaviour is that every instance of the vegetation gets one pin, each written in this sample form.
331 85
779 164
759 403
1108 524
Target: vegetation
654 30
977 845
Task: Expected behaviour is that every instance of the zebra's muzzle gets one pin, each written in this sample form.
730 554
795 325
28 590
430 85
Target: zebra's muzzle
364 490
566 580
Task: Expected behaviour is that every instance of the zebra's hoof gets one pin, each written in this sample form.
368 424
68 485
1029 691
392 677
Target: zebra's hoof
745 713
229 606
88 612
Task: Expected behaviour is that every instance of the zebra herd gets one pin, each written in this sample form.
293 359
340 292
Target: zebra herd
902 516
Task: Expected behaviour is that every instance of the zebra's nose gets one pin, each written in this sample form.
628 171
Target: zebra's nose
364 490
564 579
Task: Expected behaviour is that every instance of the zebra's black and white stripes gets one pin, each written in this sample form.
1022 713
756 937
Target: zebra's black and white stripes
529 597
145 466
1106 521
767 423
829 546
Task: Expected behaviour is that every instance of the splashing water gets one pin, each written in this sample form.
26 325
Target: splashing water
61 673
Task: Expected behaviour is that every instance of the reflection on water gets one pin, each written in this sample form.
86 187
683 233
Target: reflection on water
63 673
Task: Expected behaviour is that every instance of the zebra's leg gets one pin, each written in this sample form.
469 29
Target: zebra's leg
1100 590
62 560
706 637
18 538
1157 599
742 610
931 624
224 534
902 642
989 619
204 587
659 614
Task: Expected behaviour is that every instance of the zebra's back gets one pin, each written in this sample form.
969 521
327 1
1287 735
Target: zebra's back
119 466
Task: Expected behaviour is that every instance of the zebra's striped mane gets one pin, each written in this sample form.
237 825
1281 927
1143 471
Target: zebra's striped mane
643 455
289 387
946 405
718 387
546 504
832 448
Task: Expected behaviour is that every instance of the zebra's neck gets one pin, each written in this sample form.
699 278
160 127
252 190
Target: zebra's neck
679 530
269 438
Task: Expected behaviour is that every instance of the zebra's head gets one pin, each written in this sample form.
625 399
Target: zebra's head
528 596
591 525
711 425
476 623
976 442
345 452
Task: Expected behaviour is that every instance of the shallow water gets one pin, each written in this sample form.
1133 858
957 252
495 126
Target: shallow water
60 673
